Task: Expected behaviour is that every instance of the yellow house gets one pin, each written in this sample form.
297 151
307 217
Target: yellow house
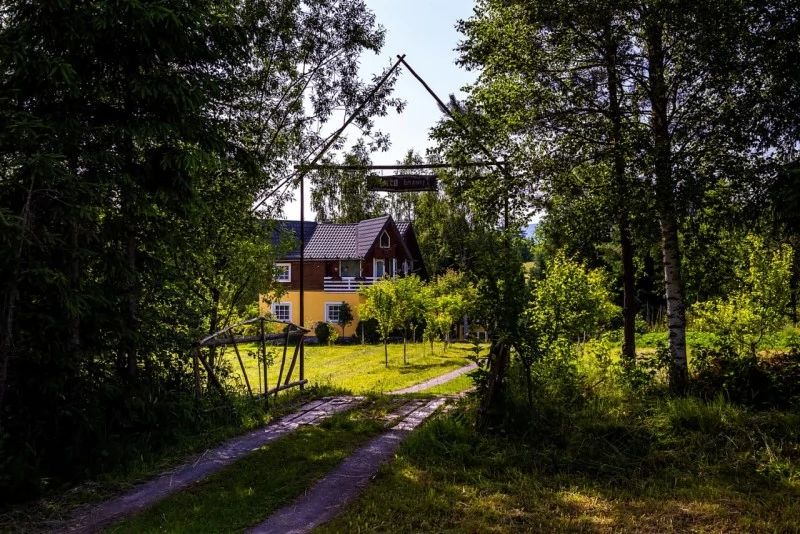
339 259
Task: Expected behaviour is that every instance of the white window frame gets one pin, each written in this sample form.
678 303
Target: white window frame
279 277
388 240
274 315
375 268
327 317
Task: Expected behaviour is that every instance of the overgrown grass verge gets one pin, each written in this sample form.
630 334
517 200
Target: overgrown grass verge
246 492
230 421
638 465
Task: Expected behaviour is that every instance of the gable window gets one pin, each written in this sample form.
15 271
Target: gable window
349 268
385 242
282 311
332 310
284 272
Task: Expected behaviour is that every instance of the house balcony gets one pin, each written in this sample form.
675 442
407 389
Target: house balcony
347 285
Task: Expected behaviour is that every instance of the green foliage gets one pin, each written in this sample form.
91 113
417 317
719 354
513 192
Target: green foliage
412 299
345 316
381 303
762 383
137 138
326 333
447 299
758 305
568 303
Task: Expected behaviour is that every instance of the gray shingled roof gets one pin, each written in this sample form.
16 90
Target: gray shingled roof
368 232
331 241
402 227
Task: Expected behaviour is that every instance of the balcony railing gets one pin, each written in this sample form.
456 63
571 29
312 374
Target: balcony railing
347 285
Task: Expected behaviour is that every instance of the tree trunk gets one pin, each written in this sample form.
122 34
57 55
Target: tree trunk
213 324
75 282
665 201
7 316
10 298
386 352
628 293
132 306
527 364
498 362
676 307
622 195
795 281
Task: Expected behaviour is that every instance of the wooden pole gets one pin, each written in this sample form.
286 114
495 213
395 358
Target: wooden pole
241 364
321 166
302 279
196 368
264 360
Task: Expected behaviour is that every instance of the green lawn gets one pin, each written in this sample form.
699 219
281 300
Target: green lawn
675 465
360 368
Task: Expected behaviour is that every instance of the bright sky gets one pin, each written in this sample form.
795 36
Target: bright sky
423 30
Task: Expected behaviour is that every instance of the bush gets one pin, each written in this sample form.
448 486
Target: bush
749 380
326 333
558 389
368 331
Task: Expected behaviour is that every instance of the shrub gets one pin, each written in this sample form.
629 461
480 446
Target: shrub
326 333
758 307
748 380
367 331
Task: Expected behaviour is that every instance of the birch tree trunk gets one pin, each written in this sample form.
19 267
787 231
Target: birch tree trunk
665 200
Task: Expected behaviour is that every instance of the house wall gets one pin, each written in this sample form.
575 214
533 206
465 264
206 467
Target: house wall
315 307
314 275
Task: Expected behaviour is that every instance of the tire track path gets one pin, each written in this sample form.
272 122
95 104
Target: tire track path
146 494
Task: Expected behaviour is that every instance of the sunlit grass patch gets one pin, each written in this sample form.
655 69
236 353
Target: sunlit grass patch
361 368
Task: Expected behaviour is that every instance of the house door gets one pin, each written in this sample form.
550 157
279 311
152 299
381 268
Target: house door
379 268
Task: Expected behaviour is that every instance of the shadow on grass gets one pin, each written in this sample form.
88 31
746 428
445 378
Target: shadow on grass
247 491
673 468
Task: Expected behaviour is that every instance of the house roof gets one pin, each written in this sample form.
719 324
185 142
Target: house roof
403 227
332 241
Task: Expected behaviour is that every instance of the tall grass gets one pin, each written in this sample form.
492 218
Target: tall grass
598 452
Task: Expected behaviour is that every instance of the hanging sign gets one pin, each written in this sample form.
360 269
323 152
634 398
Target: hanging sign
404 182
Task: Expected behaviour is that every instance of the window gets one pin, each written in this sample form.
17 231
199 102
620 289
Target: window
349 268
284 271
379 268
282 311
332 310
385 240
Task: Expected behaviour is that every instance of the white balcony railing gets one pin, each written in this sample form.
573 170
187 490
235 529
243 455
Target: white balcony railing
347 285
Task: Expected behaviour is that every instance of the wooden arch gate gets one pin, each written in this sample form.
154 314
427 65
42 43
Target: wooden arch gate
259 330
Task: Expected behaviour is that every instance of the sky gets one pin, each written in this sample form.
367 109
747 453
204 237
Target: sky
423 30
